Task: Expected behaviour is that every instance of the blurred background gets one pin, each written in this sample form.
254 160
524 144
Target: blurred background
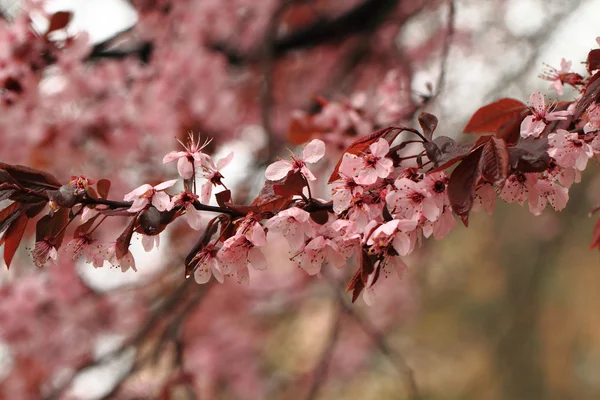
501 310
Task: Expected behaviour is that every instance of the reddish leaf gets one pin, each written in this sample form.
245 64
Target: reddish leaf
223 198
103 186
13 237
529 155
428 124
85 227
363 143
494 160
9 214
596 236
292 185
320 217
31 178
593 60
490 118
510 131
50 225
445 152
461 187
302 129
591 95
59 20
122 244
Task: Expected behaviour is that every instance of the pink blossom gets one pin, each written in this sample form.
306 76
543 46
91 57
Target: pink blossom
437 184
565 176
313 152
237 254
392 235
207 264
569 150
485 199
548 191
361 212
149 242
368 167
212 174
252 230
316 251
108 252
342 193
558 76
43 251
520 187
533 125
81 245
294 224
146 194
192 215
411 199
186 159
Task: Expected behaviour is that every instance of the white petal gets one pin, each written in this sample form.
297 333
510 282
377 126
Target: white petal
314 151
278 170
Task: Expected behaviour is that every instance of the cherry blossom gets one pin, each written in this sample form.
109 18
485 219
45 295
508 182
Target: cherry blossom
569 150
146 194
533 125
368 167
237 254
343 191
485 199
252 230
313 152
207 265
548 192
186 159
520 187
411 199
294 224
186 200
81 245
150 242
561 76
212 173
43 251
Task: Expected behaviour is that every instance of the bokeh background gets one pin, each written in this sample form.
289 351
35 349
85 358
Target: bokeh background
503 309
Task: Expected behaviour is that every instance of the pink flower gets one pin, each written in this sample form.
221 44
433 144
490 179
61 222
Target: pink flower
368 167
568 150
147 194
207 264
386 267
312 153
442 226
186 159
252 230
360 212
548 192
212 174
392 235
559 76
149 242
411 199
437 184
293 223
186 200
43 251
565 176
520 187
108 252
342 192
315 252
237 254
533 125
485 199
79 246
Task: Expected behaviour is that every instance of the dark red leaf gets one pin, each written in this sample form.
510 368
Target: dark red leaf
122 245
490 118
12 238
444 152
494 160
103 186
591 95
292 185
510 131
59 20
529 155
593 60
31 178
223 198
85 227
320 217
428 124
461 186
302 129
9 214
361 145
50 226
